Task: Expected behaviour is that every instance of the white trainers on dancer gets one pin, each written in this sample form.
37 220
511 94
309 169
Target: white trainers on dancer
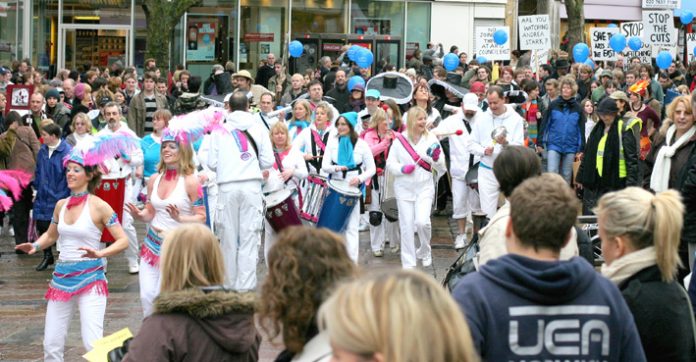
460 241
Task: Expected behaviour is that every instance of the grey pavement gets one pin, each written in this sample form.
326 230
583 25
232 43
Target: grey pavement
23 308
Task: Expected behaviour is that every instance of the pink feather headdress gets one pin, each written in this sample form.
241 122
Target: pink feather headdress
189 128
12 182
93 153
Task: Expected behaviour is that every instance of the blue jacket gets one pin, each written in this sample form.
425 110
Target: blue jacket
524 309
563 128
50 181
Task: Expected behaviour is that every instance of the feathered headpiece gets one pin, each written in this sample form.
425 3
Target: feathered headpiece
93 153
639 87
12 182
189 128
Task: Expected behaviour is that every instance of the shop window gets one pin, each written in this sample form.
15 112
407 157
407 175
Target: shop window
377 17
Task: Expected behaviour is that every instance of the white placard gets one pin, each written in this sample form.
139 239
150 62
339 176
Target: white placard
486 47
690 45
538 58
661 4
656 49
631 29
599 38
658 27
535 32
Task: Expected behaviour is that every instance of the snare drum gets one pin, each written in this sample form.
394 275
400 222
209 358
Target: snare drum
281 211
114 193
340 200
313 198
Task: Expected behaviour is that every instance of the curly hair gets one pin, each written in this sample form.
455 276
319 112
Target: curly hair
304 266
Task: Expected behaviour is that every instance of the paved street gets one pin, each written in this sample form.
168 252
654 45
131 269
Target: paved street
22 307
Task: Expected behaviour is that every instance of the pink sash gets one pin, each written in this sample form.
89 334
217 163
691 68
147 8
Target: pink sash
412 152
317 140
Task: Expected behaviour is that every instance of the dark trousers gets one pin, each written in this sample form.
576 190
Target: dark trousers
42 227
20 220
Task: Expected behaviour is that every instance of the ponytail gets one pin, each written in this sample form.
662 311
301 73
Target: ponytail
668 220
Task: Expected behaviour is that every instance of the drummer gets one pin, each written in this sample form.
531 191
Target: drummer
379 137
349 158
312 140
288 171
411 159
300 118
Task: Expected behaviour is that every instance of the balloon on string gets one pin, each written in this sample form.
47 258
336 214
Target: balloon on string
355 80
612 25
664 59
686 17
618 42
353 52
590 63
295 49
364 58
500 37
580 52
635 43
450 62
481 59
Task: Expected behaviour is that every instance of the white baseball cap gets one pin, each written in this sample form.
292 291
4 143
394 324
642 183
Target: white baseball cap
470 102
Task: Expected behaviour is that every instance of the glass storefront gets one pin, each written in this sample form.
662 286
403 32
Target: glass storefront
10 30
417 31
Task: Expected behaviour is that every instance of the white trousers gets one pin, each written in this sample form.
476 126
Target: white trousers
464 199
415 215
127 223
239 220
149 278
385 231
352 234
488 191
92 307
212 202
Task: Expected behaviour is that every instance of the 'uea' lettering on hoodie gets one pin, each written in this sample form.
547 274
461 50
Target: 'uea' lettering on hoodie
583 326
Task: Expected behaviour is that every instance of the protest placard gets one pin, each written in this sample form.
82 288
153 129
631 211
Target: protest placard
661 4
538 58
690 45
486 47
535 32
631 29
658 28
599 38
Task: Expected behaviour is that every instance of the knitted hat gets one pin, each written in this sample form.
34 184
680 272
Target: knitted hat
52 93
351 117
80 91
478 87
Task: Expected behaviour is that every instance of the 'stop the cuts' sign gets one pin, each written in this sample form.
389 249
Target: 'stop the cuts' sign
658 28
535 32
486 47
661 4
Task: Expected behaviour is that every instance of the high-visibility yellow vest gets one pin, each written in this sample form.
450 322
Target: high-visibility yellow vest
600 151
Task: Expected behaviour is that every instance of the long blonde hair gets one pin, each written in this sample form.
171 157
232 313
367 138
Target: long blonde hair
378 116
280 126
185 166
380 314
646 220
191 257
411 120
671 108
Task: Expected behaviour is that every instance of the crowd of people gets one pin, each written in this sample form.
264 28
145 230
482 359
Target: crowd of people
530 149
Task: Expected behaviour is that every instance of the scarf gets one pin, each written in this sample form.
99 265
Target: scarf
77 199
629 264
170 174
298 126
610 178
345 152
659 180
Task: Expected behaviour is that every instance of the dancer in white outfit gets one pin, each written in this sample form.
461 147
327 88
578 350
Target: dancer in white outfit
79 278
349 158
412 157
313 139
174 197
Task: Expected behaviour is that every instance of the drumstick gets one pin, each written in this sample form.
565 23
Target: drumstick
458 132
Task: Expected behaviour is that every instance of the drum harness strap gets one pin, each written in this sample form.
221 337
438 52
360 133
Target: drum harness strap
468 129
321 142
407 146
279 162
263 119
380 162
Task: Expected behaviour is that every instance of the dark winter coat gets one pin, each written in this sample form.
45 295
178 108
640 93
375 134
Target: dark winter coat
49 180
661 313
563 127
192 325
341 98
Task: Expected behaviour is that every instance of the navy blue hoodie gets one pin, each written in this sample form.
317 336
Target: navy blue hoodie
521 309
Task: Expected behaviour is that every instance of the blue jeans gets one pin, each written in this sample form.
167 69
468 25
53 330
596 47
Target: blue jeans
560 163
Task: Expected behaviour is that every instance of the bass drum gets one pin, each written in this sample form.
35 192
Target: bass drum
387 202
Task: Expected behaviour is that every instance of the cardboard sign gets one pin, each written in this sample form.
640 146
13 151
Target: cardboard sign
631 29
599 37
690 45
538 58
658 28
661 4
486 47
18 96
535 32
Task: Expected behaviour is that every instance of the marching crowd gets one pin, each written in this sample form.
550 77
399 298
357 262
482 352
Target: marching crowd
529 149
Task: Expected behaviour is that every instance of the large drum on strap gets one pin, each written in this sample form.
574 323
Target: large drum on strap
313 197
387 200
340 200
281 211
114 193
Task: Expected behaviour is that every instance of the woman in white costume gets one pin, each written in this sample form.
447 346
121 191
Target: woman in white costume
412 157
313 139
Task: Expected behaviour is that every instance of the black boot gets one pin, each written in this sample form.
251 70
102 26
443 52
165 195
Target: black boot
47 260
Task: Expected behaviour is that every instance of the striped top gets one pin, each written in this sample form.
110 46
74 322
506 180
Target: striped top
150 108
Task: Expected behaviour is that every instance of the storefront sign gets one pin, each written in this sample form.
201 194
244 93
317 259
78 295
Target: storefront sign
535 32
599 37
486 47
659 28
332 47
258 37
201 39
631 29
661 4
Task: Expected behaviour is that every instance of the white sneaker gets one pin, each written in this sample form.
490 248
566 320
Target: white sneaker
363 226
420 253
428 260
11 231
460 241
134 269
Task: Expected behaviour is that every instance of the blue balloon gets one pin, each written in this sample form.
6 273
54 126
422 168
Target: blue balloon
296 49
580 52
612 25
355 80
589 62
635 43
500 37
664 59
365 58
481 59
450 62
618 42
353 52
686 17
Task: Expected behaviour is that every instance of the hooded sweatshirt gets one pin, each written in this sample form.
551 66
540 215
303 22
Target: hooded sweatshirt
483 127
521 309
192 325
